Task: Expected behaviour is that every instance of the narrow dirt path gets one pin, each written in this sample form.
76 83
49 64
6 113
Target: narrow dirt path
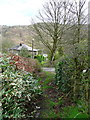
49 107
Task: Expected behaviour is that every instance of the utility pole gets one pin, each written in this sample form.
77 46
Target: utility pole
32 48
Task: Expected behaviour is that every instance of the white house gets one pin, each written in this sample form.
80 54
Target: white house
19 47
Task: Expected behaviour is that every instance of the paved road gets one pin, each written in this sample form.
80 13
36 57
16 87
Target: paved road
48 69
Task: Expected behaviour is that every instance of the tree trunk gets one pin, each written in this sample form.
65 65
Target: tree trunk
52 57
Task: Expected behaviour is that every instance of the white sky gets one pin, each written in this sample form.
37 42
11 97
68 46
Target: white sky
19 12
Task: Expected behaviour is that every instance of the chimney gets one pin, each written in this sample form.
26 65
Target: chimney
20 44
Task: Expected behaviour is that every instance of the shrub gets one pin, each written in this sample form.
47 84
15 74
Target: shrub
40 58
64 71
25 53
70 77
27 64
19 92
74 112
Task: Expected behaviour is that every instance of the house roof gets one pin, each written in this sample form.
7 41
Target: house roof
20 46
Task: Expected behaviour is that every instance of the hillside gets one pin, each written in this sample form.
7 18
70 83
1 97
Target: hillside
14 35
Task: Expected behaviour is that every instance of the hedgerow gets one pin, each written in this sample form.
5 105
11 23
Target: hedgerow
20 91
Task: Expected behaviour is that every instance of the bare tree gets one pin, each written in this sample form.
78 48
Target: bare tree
79 17
53 24
79 22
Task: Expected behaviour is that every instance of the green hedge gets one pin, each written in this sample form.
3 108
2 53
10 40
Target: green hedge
64 73
19 92
40 58
71 78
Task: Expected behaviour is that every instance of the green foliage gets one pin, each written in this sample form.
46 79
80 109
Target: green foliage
43 63
67 71
19 91
58 53
64 73
25 53
74 112
72 77
40 58
53 104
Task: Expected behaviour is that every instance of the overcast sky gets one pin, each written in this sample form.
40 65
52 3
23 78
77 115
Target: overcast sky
19 12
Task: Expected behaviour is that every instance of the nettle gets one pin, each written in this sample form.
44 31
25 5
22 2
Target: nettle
19 91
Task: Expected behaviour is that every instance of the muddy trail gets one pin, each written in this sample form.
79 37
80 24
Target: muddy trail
52 102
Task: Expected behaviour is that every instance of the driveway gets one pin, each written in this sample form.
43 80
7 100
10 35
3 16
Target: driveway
48 69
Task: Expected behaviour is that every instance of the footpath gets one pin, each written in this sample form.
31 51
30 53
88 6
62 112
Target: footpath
48 69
